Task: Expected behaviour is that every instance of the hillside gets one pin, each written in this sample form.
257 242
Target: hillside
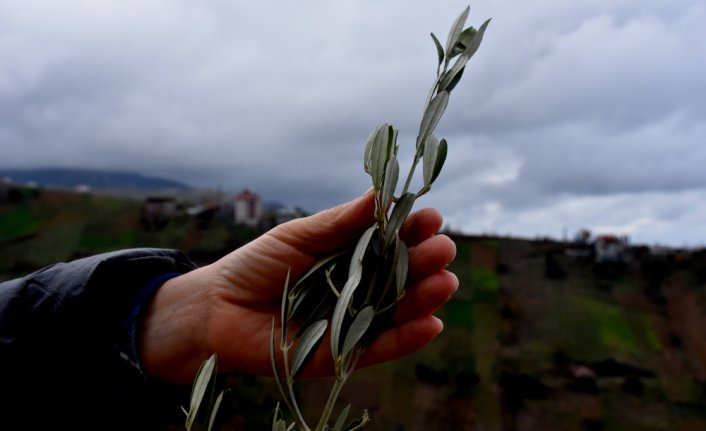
47 226
534 339
537 340
560 343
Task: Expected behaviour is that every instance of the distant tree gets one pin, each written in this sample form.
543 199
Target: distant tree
14 195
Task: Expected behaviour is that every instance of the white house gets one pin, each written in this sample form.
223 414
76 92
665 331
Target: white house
247 209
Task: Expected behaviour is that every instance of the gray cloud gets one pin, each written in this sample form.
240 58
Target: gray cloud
572 114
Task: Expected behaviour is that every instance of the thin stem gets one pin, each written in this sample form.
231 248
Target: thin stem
293 406
287 401
380 215
424 190
331 402
346 368
418 153
297 413
330 282
390 275
387 307
408 181
433 88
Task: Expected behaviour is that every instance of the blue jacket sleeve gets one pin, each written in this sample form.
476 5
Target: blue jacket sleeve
60 333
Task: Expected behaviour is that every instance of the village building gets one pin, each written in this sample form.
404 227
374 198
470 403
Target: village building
160 206
247 208
157 210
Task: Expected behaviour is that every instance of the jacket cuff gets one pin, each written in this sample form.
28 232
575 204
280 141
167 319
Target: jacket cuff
127 341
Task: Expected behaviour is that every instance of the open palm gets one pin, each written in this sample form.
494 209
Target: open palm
227 307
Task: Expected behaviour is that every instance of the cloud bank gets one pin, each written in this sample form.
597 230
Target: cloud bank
588 114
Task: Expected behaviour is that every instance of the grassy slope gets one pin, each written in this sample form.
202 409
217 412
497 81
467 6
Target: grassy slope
60 226
572 315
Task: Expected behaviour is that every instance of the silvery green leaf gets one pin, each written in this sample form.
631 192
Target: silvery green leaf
457 68
206 371
474 43
367 163
456 29
454 81
273 358
359 251
302 295
214 411
360 324
318 307
378 155
431 148
440 159
277 413
284 311
439 48
402 267
301 289
309 340
392 173
452 76
464 40
278 424
320 263
431 118
341 420
355 273
275 369
392 146
398 216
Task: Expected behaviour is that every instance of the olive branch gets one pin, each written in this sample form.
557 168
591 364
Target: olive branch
353 292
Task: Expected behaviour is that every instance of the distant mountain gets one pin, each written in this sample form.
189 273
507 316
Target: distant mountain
93 178
273 205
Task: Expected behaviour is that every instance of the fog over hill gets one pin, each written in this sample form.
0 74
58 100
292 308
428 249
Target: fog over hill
93 178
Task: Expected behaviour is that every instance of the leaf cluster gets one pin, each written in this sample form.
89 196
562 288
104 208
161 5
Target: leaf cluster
204 405
352 293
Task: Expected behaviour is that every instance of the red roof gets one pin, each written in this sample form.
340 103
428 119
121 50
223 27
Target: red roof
247 195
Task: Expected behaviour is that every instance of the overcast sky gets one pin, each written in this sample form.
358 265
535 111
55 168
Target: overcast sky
572 114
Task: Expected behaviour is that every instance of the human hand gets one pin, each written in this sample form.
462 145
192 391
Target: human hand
227 307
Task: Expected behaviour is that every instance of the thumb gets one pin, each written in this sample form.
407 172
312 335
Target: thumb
330 229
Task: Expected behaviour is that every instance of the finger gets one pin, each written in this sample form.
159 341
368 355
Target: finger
413 326
402 340
426 297
430 256
421 225
331 229
391 344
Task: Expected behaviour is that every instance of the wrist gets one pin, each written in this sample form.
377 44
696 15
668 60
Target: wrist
127 343
170 342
